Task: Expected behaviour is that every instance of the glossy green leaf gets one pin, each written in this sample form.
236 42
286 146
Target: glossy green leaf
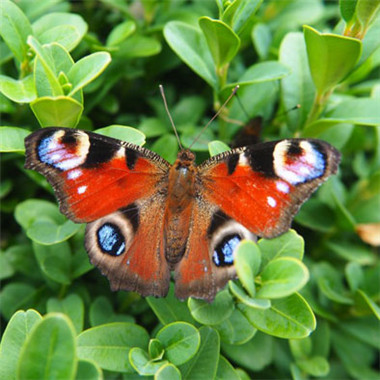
153 127
55 261
282 277
156 349
72 306
289 244
205 362
212 313
49 350
60 111
88 369
15 29
243 297
236 329
216 147
260 347
13 339
87 69
331 57
108 345
52 27
138 46
315 366
181 341
371 305
170 309
120 32
20 91
221 40
289 318
15 296
168 371
12 139
247 262
260 72
124 133
261 36
297 87
347 9
191 46
141 362
366 11
166 146
46 60
225 370
361 111
239 14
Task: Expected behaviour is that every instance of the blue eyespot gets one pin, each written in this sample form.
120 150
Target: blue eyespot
110 239
223 253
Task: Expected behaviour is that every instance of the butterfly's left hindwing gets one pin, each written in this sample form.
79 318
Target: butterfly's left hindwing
93 175
262 186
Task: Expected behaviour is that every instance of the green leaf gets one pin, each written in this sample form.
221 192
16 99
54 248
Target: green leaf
156 349
12 139
14 296
289 244
168 371
191 46
289 318
331 57
124 133
88 370
347 9
60 111
282 277
138 46
360 111
297 87
55 261
101 312
315 366
49 350
49 28
153 127
366 11
216 147
142 364
20 91
205 363
260 347
212 313
180 340
87 69
72 306
170 309
221 40
370 304
120 33
47 232
239 14
15 29
243 297
108 345
261 37
225 370
236 329
167 147
45 58
247 262
260 72
14 337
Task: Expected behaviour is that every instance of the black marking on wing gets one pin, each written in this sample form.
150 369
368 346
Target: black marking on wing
131 212
100 152
232 162
260 158
217 220
131 156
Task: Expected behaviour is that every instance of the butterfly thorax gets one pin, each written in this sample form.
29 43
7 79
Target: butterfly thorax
181 191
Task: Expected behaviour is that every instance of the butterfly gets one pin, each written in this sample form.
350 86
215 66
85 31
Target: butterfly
146 218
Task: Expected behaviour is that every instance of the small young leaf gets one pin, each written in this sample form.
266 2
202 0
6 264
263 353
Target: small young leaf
124 133
141 362
180 340
168 371
20 91
120 32
216 147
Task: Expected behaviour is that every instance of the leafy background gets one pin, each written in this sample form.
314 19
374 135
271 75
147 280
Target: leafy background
97 66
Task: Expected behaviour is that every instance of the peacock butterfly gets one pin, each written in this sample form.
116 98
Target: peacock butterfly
147 218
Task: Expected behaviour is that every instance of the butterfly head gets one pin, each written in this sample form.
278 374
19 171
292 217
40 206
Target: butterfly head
185 158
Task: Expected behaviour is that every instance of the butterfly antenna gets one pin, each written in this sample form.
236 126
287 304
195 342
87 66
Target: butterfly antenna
170 116
242 106
215 116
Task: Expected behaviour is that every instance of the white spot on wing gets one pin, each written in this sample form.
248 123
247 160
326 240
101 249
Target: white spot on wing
74 174
82 189
271 202
283 187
